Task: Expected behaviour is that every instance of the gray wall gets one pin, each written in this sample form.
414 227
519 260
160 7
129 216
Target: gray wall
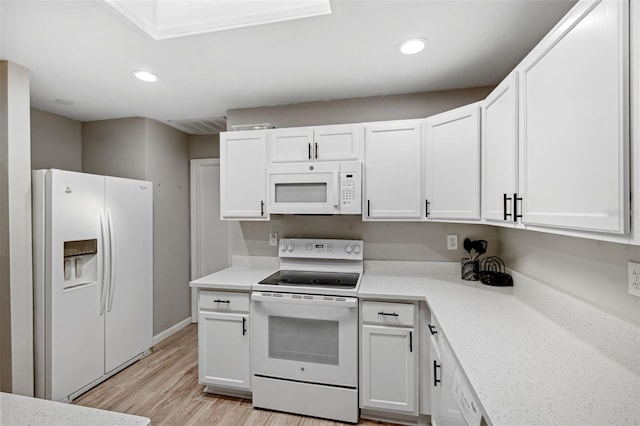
56 142
16 278
167 166
115 147
204 146
359 110
141 148
593 271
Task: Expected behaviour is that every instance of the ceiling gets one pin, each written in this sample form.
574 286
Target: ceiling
84 52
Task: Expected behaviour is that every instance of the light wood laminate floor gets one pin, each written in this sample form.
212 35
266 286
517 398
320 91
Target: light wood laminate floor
164 387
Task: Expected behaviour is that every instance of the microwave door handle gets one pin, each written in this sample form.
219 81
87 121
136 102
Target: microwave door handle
335 195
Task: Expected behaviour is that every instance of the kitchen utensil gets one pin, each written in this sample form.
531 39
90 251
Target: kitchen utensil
480 247
467 246
492 272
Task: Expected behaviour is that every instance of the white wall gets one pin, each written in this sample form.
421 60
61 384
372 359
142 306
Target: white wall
56 142
16 278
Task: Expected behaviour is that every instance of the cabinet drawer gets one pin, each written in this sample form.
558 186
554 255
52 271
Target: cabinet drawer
224 301
388 313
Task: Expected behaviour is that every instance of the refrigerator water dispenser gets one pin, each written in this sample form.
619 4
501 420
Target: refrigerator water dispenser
80 262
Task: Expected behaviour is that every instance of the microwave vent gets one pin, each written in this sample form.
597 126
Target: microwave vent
201 126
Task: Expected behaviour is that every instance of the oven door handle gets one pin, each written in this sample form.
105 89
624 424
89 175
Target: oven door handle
345 302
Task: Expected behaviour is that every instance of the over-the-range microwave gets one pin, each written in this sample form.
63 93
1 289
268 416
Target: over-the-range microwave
332 187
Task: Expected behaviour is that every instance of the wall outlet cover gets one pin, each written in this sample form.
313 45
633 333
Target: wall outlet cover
634 278
452 242
273 239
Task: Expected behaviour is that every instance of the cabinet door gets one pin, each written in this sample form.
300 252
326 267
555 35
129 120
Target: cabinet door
223 350
452 164
287 145
500 151
392 171
243 175
574 122
444 410
337 143
389 370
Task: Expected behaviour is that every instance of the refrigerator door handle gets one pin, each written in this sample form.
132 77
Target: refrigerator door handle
103 262
112 261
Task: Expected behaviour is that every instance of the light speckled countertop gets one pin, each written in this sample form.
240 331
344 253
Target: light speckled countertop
16 410
525 366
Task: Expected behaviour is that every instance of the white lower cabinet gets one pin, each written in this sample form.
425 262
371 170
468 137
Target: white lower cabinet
223 340
389 368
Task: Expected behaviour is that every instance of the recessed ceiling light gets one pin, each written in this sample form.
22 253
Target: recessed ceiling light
412 46
145 75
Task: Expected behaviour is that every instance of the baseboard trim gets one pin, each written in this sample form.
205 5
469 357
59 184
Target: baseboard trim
171 330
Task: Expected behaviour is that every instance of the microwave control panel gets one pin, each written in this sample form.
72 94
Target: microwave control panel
350 192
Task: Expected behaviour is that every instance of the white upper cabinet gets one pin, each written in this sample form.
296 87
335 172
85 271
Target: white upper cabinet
500 151
243 175
392 170
574 96
325 143
452 164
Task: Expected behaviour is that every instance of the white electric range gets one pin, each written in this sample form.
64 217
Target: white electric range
305 330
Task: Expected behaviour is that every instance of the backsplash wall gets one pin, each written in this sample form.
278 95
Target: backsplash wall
383 240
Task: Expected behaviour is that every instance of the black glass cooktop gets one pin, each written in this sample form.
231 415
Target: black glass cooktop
313 279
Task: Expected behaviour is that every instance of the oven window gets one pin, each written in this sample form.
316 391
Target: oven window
307 340
315 192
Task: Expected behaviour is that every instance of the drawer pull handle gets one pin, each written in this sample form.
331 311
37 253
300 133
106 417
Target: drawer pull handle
221 301
392 314
432 329
435 373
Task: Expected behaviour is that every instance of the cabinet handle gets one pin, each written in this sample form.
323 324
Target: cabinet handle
435 373
505 215
392 314
316 148
244 326
368 208
309 146
516 216
426 208
432 329
221 301
261 208
410 341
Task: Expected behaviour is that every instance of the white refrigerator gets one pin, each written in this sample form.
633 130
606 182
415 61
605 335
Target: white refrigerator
93 278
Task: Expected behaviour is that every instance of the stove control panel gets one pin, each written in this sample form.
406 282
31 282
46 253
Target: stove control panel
321 248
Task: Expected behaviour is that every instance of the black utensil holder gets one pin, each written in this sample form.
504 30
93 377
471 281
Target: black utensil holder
469 269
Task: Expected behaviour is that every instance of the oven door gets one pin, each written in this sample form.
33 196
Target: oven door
307 338
304 188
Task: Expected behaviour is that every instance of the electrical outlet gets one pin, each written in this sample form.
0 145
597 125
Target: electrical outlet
273 239
452 242
634 278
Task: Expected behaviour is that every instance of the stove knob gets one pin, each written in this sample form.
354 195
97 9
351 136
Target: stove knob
348 249
356 249
283 245
290 248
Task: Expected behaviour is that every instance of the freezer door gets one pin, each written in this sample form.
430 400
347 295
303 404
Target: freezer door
72 287
129 301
